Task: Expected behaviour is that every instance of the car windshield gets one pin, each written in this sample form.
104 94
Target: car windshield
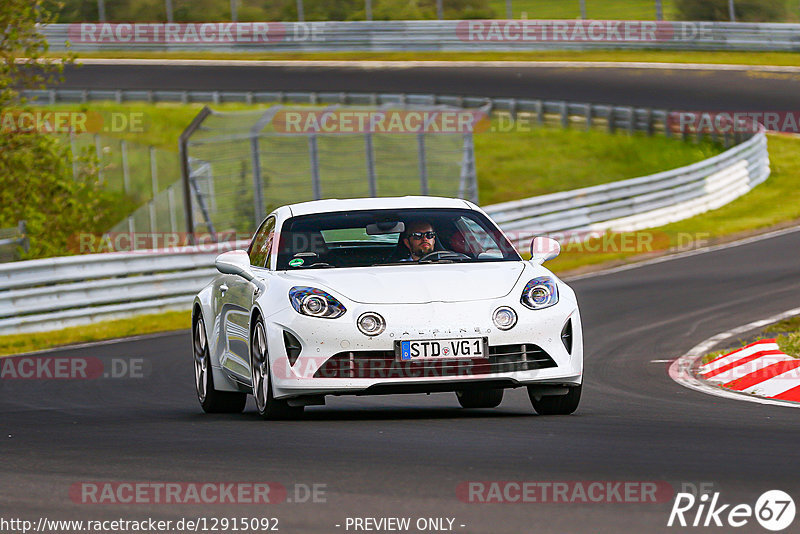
386 237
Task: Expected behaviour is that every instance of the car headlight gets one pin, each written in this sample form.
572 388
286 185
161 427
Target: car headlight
371 324
539 293
504 318
315 303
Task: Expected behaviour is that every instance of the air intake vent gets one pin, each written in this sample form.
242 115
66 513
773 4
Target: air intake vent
293 347
566 336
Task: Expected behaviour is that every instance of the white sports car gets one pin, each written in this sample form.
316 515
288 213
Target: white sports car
385 295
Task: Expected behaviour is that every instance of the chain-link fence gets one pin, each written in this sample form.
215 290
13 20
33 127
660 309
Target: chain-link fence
241 165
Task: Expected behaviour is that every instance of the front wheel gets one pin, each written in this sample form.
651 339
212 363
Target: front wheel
211 400
480 398
556 404
268 406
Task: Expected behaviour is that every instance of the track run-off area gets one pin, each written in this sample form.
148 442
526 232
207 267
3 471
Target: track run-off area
410 456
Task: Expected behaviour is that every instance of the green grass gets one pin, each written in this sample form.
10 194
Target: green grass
134 326
595 9
786 333
775 202
654 56
544 160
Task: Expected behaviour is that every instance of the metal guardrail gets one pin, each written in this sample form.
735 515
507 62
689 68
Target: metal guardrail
53 293
559 112
424 35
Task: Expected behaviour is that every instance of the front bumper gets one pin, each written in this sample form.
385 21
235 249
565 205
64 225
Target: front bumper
328 341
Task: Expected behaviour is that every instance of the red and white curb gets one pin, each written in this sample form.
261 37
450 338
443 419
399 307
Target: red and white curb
759 372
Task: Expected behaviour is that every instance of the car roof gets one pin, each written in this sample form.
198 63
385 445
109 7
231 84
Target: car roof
357 204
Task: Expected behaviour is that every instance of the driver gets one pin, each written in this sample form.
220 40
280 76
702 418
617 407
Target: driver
420 239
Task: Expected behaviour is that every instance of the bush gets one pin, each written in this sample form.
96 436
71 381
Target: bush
38 187
270 10
746 10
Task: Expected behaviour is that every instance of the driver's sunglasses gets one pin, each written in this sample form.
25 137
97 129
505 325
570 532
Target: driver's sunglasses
417 236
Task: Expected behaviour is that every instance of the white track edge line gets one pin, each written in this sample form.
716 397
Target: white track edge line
680 369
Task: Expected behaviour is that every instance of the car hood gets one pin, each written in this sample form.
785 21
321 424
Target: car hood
416 284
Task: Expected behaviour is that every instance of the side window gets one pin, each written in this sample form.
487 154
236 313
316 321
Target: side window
262 244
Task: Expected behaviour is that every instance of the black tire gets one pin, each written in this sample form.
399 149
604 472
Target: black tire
211 400
480 398
556 404
268 406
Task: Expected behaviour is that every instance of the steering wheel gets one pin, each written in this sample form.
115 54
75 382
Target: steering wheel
443 254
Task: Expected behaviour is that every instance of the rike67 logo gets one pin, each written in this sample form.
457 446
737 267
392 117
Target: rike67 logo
774 510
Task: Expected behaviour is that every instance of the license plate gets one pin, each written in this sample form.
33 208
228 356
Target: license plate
424 349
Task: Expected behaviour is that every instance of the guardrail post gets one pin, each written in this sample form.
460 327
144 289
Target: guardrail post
564 115
589 116
612 120
631 120
370 159
22 229
423 164
538 107
649 120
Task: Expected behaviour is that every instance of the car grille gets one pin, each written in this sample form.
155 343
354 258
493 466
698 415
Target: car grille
383 364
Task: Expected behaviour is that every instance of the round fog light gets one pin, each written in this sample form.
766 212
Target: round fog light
504 318
371 324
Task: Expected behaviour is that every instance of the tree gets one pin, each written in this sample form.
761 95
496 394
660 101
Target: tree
36 171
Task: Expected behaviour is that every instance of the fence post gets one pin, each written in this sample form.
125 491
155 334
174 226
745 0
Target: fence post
183 150
168 7
126 174
468 186
99 153
732 10
173 223
509 11
368 9
154 185
300 14
583 9
74 149
439 10
370 159
423 164
258 186
659 11
316 187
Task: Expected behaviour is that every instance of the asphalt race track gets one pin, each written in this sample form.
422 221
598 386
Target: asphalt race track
404 456
672 89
